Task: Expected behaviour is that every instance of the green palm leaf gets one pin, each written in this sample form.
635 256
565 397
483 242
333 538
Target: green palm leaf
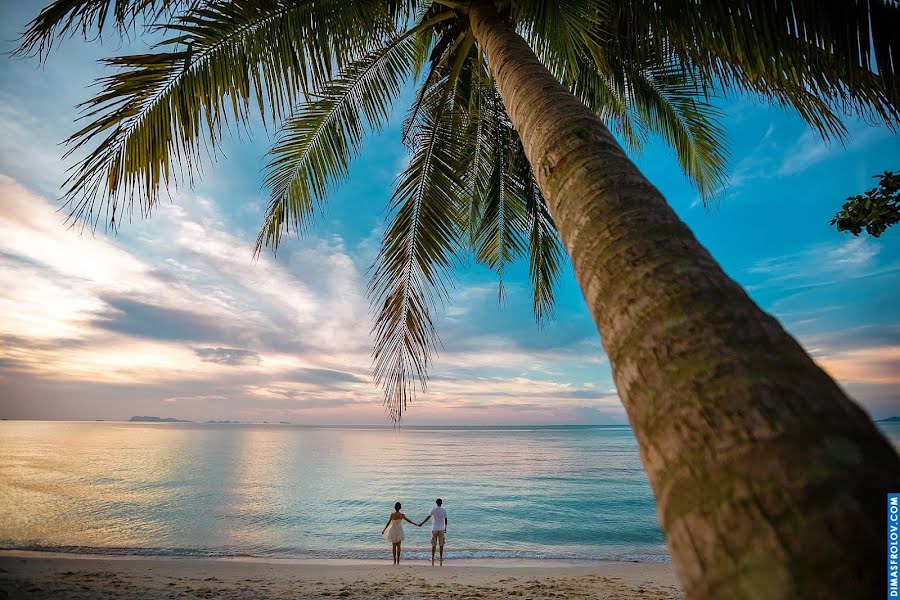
559 32
63 18
546 253
823 58
644 66
674 107
610 102
503 211
160 108
318 142
418 249
498 236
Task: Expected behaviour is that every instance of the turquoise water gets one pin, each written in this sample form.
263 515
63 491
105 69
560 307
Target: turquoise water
287 491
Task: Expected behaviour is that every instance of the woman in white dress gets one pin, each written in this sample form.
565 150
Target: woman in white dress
393 531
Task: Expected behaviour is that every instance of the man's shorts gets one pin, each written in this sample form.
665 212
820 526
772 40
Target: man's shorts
437 538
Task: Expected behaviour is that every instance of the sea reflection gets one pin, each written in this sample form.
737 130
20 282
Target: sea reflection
294 491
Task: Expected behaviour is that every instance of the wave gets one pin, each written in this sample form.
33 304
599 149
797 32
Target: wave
358 554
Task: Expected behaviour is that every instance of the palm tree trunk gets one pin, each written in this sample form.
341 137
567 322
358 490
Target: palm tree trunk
769 481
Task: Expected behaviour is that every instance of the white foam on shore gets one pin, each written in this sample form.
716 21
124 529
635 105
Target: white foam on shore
504 563
414 553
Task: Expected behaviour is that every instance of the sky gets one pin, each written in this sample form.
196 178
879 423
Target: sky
173 317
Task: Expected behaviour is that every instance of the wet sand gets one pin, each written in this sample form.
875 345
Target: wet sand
42 576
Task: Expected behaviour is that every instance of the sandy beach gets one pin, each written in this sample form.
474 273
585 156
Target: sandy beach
48 575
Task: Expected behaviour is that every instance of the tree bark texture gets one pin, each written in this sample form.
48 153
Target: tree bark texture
770 482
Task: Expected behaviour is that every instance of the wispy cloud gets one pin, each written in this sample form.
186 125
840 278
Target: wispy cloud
820 264
810 149
771 158
228 356
873 365
179 309
141 322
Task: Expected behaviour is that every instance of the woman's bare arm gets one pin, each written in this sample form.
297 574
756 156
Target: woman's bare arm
408 521
386 526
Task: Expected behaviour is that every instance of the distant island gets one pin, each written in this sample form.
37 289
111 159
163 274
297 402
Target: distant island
889 420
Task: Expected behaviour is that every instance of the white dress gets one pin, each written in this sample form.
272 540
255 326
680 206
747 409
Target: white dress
394 532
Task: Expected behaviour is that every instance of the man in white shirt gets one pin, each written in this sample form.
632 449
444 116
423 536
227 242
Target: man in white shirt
438 516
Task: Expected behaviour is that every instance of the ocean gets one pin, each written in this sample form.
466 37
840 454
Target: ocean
283 491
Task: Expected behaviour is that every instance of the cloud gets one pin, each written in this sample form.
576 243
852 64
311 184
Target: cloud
228 356
820 264
324 376
810 149
872 365
165 312
171 303
770 158
196 398
122 314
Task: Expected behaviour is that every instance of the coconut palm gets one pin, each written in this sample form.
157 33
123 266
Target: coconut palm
769 480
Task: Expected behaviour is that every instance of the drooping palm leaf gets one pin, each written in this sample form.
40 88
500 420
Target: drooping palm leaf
160 108
674 108
643 65
561 31
63 18
418 249
434 85
317 143
505 212
823 58
498 236
636 98
545 249
610 102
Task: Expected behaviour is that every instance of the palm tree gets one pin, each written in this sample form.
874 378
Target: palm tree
770 482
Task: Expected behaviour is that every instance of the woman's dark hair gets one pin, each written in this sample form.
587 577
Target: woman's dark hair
397 506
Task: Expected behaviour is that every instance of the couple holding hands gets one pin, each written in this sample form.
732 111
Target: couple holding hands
393 530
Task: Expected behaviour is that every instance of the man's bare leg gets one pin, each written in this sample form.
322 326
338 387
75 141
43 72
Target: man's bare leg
442 556
432 556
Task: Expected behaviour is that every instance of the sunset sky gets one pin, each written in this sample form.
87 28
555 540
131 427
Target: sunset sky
172 316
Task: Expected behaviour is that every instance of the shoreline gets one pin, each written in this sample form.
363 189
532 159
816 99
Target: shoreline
45 575
491 562
415 553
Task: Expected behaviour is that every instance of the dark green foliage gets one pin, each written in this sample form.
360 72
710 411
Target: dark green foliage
327 72
874 211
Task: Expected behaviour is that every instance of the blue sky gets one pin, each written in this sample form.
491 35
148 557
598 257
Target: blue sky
172 317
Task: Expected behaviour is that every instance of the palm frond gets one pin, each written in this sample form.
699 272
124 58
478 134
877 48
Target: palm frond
64 18
156 113
674 107
609 100
503 212
418 248
317 143
442 53
498 236
545 249
822 58
480 94
560 31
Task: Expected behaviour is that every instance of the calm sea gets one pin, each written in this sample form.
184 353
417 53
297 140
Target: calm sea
287 491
